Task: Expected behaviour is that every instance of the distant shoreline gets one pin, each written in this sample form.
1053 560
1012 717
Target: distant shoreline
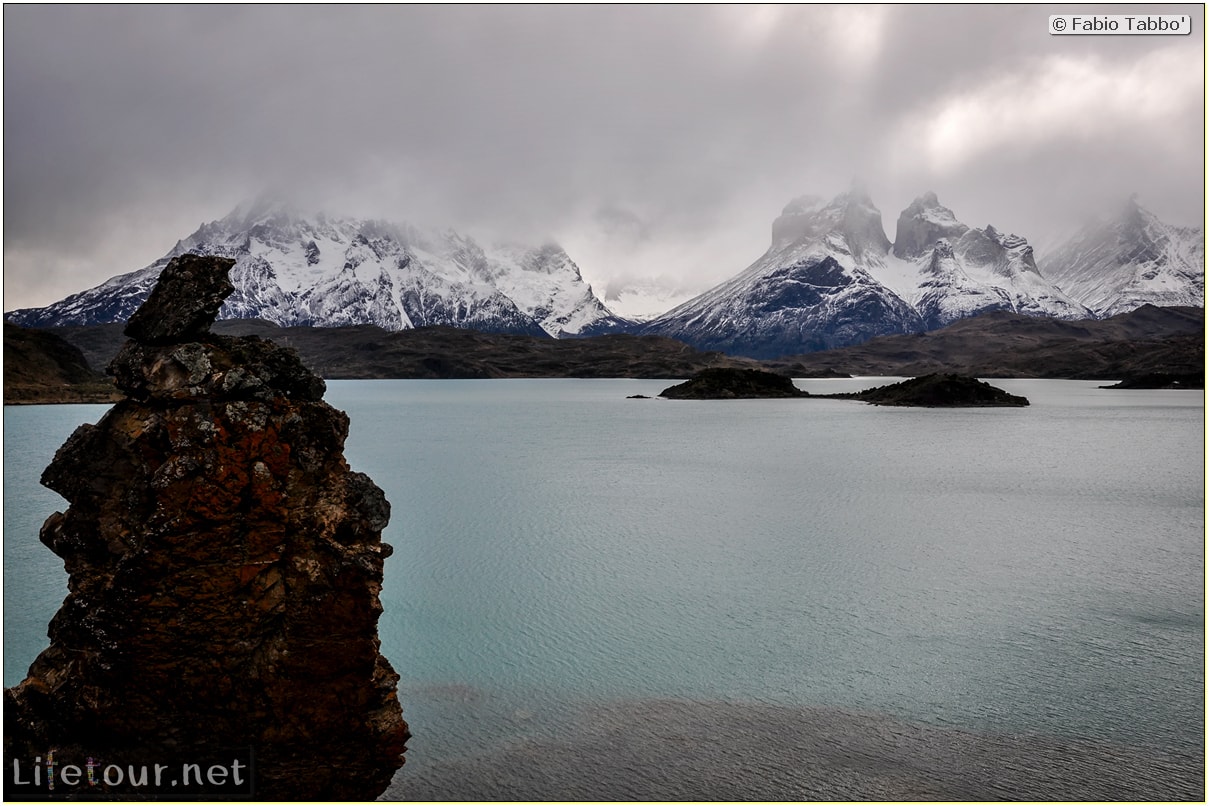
47 396
1149 341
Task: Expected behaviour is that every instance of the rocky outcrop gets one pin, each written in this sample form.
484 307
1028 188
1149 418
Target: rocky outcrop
938 391
922 224
731 384
225 564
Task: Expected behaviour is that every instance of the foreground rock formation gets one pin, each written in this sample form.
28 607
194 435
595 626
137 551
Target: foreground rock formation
225 565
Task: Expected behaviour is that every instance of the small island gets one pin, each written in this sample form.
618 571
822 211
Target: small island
1161 380
723 383
928 391
937 390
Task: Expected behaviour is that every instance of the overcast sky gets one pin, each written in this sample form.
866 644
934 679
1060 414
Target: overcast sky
647 140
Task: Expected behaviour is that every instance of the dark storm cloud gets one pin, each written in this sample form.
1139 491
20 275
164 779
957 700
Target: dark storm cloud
127 126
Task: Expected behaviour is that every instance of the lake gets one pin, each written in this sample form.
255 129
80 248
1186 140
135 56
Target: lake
593 597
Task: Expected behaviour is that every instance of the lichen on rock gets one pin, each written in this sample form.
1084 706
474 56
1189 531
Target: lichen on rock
224 569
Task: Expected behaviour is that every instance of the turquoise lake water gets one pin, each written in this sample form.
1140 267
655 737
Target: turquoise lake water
781 599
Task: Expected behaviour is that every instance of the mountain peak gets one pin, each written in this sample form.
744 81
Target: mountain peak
1133 217
804 205
1129 259
262 209
850 216
858 190
922 224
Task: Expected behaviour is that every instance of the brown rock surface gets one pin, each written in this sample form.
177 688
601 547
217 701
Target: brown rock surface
225 565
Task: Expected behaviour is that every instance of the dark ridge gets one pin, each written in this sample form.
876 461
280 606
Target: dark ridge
1148 340
368 351
41 367
1008 345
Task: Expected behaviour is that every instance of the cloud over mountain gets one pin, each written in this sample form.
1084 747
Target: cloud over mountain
125 125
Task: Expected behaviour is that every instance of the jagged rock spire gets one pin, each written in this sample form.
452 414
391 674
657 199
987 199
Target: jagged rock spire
224 568
185 301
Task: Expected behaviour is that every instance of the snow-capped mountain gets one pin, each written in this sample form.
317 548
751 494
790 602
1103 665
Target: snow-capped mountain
1116 265
948 271
320 271
812 290
832 278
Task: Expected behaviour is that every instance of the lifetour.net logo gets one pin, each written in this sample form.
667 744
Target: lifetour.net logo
56 774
